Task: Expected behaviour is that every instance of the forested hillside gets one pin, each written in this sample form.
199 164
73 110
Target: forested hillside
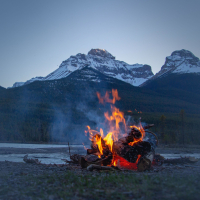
59 110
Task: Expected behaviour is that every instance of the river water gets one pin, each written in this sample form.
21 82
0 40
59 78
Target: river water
46 153
56 157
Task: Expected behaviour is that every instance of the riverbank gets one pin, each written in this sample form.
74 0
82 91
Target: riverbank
19 180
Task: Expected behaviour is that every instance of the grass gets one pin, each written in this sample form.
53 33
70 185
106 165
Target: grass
102 185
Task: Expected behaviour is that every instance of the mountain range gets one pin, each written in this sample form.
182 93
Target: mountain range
179 62
102 61
66 98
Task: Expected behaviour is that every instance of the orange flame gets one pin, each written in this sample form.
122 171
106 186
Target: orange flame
115 133
140 128
106 98
109 141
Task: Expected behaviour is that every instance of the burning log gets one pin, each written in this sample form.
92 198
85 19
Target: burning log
130 153
97 139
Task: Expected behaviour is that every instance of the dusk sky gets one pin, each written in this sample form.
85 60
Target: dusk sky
37 35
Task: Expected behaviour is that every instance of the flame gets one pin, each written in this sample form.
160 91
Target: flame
114 119
106 98
140 128
109 141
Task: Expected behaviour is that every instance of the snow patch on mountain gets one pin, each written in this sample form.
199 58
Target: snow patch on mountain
104 62
18 84
180 62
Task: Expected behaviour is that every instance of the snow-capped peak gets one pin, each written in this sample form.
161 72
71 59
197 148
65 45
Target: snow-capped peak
180 62
104 62
101 53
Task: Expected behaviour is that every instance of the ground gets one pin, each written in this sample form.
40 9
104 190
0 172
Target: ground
30 181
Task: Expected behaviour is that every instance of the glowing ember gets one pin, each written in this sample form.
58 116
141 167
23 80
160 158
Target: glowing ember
123 163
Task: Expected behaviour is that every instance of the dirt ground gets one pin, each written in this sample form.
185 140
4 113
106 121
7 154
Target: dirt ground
30 181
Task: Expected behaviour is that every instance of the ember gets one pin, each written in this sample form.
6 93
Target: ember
118 148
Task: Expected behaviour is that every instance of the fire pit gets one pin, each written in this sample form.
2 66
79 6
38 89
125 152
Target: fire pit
122 147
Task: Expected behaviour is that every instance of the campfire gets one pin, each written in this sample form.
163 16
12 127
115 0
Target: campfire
118 145
122 146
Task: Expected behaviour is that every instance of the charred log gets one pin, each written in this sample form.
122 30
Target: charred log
85 161
130 153
76 158
92 151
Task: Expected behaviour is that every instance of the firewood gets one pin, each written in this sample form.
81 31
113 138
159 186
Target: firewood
98 167
145 162
92 151
84 161
135 133
140 149
91 158
150 156
76 158
130 153
31 160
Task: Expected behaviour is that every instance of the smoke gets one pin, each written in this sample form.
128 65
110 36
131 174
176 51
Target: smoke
70 119
59 129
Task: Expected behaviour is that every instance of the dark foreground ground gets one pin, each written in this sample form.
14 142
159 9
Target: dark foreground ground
30 181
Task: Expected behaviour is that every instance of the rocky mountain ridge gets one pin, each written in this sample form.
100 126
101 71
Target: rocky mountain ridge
102 61
180 62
